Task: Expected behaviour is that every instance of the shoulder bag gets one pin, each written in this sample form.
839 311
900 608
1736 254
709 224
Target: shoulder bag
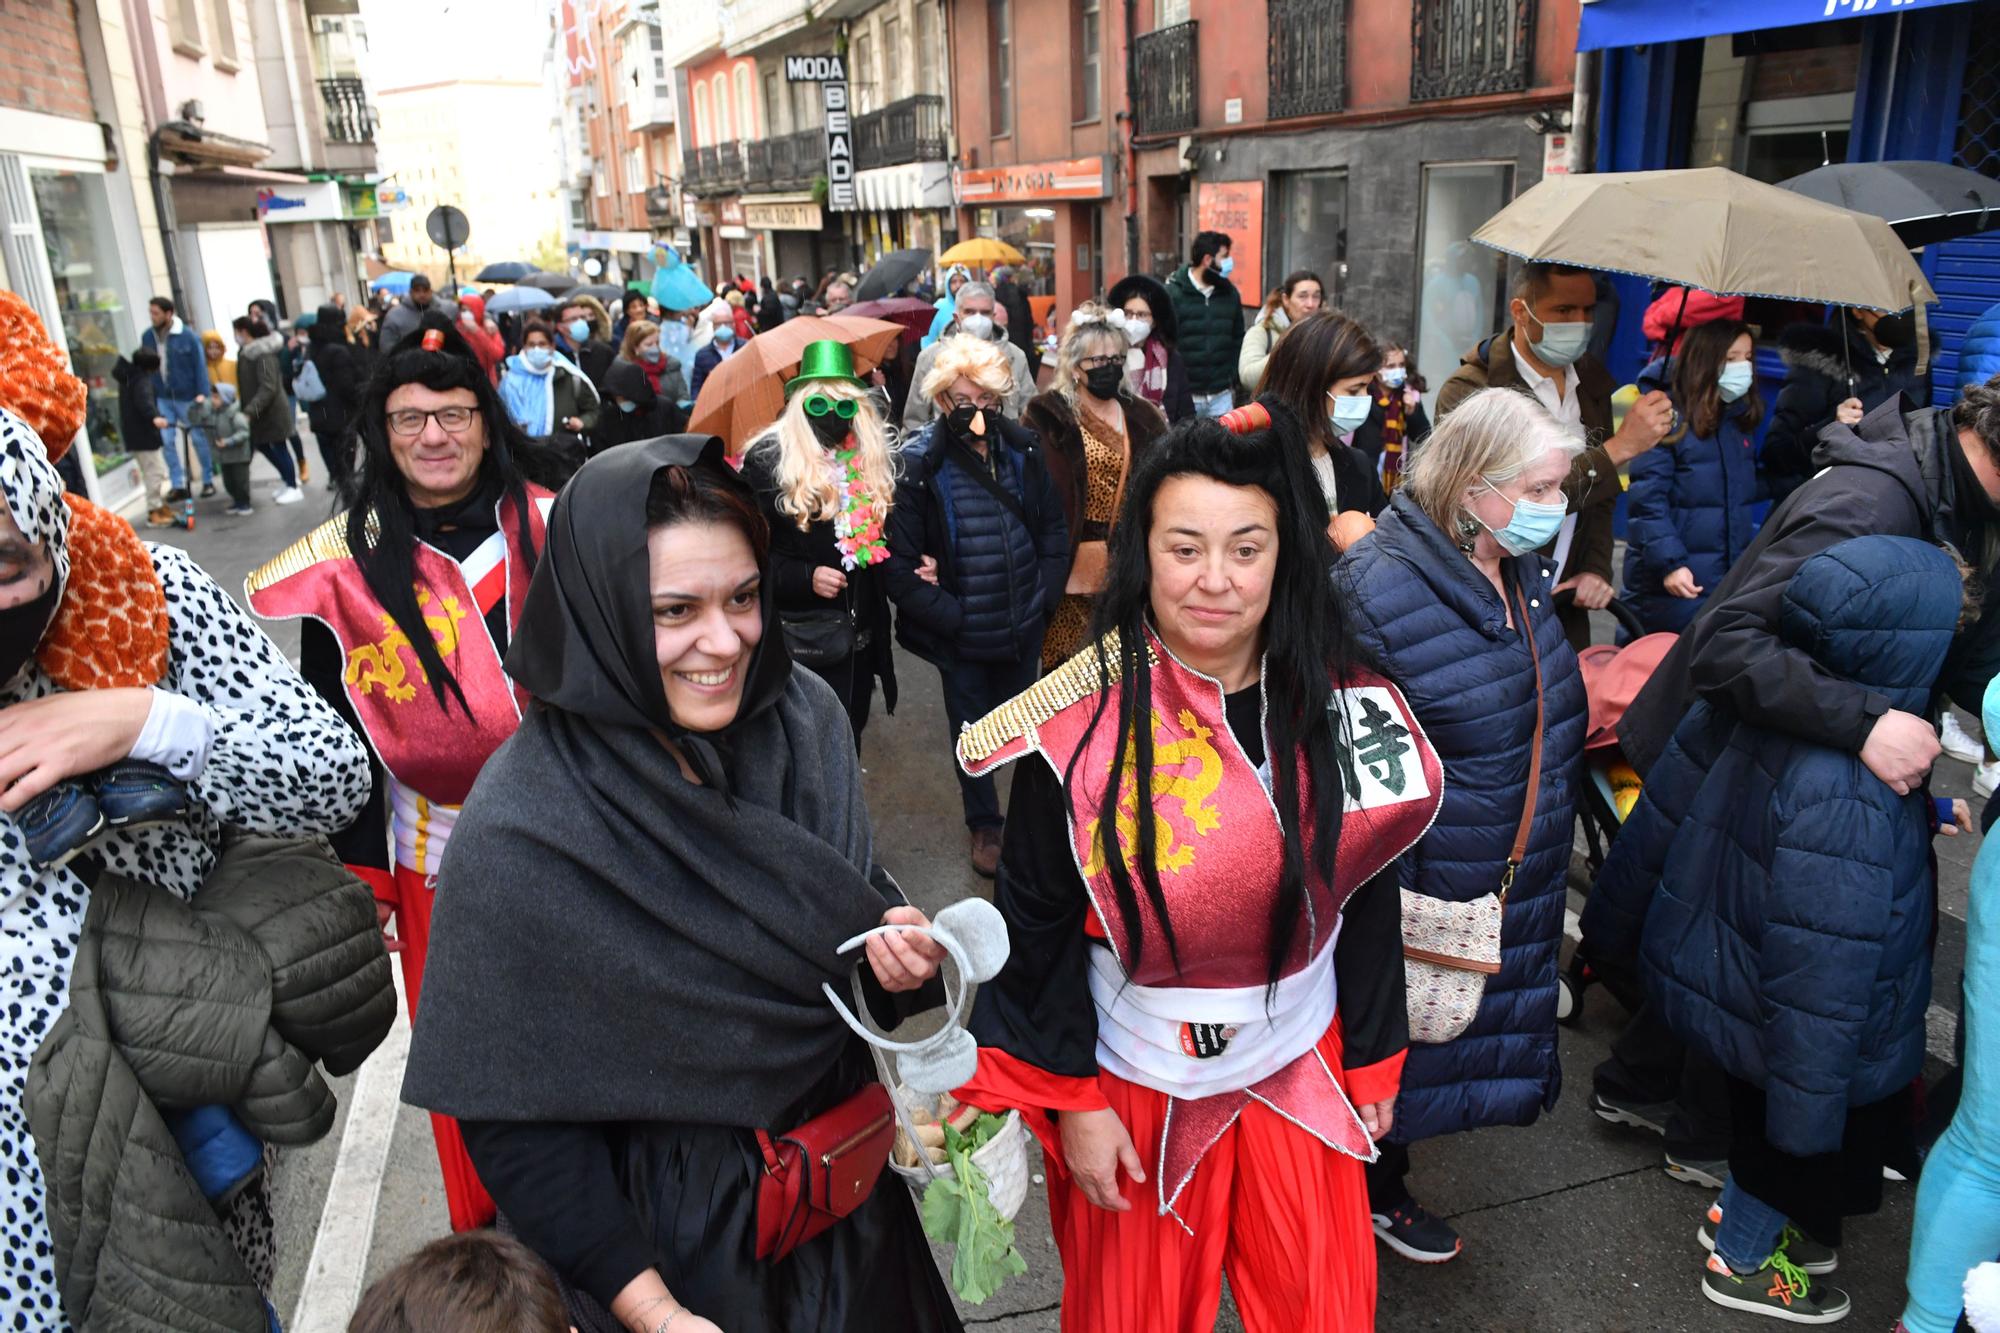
824 636
1450 948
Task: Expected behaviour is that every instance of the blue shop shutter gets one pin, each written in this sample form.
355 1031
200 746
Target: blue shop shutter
1966 274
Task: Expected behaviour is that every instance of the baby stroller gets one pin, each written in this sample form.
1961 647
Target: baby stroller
1613 675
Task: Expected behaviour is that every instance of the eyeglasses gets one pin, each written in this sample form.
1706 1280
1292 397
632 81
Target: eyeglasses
818 405
410 420
1100 362
985 402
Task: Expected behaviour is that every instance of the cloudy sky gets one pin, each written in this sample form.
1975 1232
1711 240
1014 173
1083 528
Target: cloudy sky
423 41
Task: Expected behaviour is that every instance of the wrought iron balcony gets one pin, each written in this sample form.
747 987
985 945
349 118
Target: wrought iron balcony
349 119
797 158
729 164
1466 48
1308 57
910 130
1164 99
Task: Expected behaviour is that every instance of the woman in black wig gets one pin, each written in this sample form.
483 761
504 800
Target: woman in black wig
1205 1027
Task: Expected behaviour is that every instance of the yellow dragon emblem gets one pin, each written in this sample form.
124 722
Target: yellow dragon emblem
1171 781
381 664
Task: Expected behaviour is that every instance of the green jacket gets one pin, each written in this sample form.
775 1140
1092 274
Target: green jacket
228 999
228 430
1210 332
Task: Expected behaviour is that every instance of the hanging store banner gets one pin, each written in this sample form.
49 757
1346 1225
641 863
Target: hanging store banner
800 214
1032 182
1237 209
1607 23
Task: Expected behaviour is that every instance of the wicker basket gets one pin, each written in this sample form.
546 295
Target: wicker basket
1003 1160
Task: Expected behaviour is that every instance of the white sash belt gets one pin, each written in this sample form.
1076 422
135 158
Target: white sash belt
1145 1033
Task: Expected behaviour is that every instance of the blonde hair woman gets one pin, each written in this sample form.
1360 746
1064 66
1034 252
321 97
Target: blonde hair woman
1452 600
978 554
1093 428
825 480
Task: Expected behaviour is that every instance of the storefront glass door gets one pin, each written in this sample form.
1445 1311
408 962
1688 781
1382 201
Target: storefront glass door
98 325
1461 297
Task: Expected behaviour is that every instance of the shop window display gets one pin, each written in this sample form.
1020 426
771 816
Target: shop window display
98 325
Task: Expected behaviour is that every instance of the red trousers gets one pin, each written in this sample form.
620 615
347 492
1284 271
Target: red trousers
471 1206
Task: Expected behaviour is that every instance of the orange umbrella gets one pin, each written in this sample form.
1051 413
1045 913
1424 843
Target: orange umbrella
746 393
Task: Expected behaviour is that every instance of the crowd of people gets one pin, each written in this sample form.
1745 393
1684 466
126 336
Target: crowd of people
1296 683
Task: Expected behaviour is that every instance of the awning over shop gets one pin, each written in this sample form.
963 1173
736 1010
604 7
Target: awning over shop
1643 22
911 185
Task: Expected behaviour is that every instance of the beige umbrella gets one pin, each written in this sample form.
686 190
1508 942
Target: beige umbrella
1712 229
746 393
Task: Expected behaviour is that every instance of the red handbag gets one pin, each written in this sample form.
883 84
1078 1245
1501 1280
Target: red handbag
822 1170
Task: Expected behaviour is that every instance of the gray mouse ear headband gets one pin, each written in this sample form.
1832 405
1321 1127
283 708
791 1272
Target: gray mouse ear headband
973 935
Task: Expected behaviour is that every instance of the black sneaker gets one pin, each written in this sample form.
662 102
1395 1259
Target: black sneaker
1780 1289
1416 1235
1650 1116
1800 1248
177 495
208 490
1695 1171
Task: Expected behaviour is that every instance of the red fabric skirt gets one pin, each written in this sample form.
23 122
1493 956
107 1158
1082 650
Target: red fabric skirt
1285 1216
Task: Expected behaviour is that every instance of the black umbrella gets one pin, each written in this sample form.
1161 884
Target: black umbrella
507 270
1924 202
892 272
549 282
607 292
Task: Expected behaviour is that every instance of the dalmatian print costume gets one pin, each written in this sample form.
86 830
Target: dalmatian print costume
282 762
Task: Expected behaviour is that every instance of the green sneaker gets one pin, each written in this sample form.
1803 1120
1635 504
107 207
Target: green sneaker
1800 1248
1780 1289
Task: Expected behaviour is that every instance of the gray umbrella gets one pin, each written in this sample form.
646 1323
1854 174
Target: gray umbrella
1923 202
549 282
608 293
519 299
892 273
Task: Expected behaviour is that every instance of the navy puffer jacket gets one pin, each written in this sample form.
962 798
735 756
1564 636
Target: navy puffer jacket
1788 938
1436 624
1689 506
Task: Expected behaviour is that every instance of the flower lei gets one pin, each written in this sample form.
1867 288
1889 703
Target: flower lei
857 528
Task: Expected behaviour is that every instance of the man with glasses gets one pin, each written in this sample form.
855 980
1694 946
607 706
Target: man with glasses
978 552
408 601
974 319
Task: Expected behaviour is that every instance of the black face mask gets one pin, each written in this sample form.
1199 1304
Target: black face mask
1896 331
960 421
830 429
22 628
1103 381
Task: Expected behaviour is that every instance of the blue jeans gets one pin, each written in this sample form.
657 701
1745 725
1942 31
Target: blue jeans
971 691
1749 1230
175 410
1214 404
280 458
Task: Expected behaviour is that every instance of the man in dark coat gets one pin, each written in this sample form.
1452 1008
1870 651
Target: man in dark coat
1008 296
329 354
260 380
1928 473
1209 316
403 319
1843 371
1544 352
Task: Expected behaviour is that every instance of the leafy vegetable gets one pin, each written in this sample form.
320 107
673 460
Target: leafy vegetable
958 1209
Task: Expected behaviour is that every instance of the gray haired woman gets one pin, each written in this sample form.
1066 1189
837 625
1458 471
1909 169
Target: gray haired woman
1093 427
1450 596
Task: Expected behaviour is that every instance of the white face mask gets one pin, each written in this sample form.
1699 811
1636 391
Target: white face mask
1138 330
979 326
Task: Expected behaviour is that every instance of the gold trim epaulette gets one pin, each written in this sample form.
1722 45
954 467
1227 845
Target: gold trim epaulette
326 542
1078 678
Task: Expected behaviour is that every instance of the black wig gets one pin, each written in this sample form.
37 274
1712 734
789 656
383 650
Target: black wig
1308 645
375 491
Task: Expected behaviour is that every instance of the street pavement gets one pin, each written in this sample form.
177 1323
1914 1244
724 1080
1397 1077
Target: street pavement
1568 1224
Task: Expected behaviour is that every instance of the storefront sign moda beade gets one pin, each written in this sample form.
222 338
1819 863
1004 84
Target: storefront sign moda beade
830 73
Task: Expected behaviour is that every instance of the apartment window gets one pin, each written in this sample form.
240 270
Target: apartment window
746 104
702 137
1089 61
658 44
184 27
635 171
720 87
1466 48
1166 13
1462 295
222 34
1000 21
776 119
861 74
807 113
927 60
892 59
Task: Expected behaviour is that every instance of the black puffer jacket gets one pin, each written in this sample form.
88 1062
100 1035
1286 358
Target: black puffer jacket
997 578
335 361
1816 382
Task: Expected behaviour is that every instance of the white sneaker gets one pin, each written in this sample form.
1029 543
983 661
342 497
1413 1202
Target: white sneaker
1961 744
289 495
1986 777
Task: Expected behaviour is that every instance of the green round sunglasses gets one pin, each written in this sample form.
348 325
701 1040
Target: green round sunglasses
818 405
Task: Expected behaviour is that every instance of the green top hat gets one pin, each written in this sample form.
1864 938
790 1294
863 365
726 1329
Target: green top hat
825 360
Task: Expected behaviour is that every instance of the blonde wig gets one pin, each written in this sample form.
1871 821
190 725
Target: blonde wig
807 489
975 359
635 333
1093 331
1493 436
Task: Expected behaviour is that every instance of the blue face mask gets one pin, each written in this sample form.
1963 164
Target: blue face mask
1534 525
1225 265
579 329
538 358
1562 344
1393 376
1735 380
624 406
1349 411
725 334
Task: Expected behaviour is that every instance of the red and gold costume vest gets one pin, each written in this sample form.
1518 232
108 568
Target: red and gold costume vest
432 754
1208 1031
